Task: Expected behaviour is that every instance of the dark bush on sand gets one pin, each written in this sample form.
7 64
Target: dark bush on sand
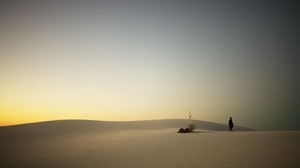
187 130
182 130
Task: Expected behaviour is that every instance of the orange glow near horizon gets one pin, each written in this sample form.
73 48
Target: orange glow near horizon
24 108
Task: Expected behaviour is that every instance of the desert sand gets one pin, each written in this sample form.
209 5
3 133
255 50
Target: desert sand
80 143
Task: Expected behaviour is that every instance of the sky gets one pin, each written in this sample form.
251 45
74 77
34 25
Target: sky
142 60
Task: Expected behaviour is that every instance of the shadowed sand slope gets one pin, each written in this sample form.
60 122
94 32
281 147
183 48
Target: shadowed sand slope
76 126
77 143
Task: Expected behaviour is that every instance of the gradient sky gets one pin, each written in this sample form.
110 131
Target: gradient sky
140 60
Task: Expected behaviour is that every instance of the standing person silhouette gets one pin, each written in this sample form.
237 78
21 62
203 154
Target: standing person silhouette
230 123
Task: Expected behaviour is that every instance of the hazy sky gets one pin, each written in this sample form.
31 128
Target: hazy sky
140 60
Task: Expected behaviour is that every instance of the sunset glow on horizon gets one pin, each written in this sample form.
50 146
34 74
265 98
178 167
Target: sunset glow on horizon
140 60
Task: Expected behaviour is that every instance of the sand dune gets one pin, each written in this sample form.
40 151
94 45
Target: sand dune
76 143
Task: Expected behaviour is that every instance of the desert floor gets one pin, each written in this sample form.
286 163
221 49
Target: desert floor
144 144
